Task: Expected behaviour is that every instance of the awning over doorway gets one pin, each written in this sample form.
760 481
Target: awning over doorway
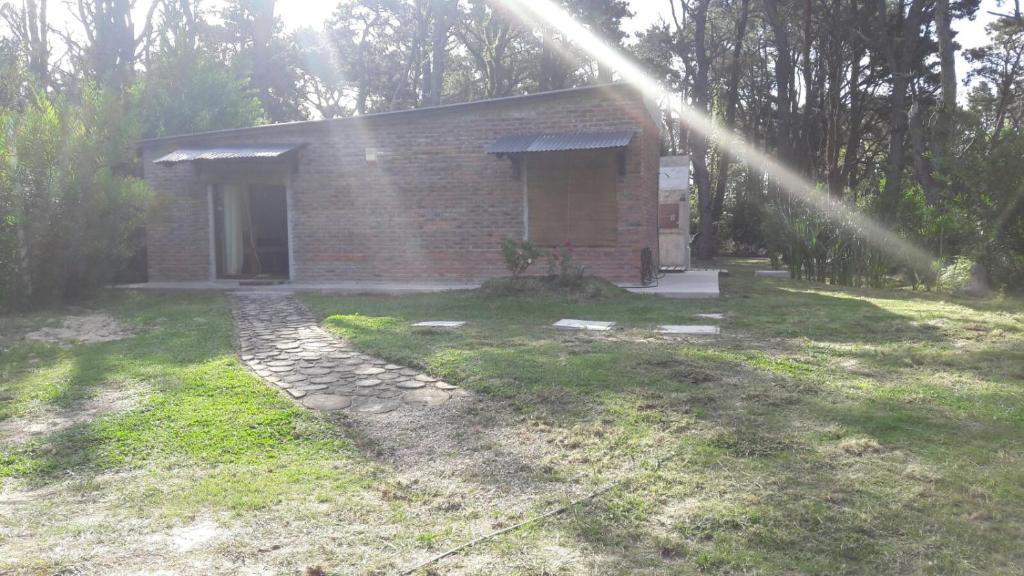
560 141
263 151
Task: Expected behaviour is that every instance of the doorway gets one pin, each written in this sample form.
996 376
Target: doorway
251 231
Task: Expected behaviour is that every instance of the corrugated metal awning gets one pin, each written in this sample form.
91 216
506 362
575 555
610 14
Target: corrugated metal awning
521 143
227 153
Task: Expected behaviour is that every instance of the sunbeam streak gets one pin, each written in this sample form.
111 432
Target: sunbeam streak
546 13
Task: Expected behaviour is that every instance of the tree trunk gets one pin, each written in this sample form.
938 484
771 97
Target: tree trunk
922 163
39 46
731 99
783 82
263 32
945 118
899 49
699 143
444 19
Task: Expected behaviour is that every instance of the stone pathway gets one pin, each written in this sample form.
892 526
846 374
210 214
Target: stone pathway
280 341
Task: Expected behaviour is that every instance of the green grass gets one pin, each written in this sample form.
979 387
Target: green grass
826 431
196 413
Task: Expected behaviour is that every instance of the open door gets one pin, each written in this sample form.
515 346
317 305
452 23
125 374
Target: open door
251 232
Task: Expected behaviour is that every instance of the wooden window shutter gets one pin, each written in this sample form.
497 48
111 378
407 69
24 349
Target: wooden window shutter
593 202
548 205
573 196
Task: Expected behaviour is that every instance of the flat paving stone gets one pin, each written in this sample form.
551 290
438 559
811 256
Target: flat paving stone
368 382
712 316
375 405
427 396
683 330
410 384
425 378
326 402
370 371
444 386
315 371
590 325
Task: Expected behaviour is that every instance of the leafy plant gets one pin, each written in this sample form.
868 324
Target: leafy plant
825 246
71 211
519 255
562 266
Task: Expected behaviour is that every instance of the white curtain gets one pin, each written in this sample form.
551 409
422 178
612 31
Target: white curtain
234 229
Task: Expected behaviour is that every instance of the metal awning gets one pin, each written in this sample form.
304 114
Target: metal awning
553 142
266 151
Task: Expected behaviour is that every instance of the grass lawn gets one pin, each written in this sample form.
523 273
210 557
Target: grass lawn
825 431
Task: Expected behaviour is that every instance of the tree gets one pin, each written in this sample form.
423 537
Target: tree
698 12
251 39
324 86
31 31
188 90
497 43
1000 65
112 45
70 211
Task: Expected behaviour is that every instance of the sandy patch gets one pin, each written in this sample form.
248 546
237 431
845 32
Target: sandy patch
189 538
19 430
81 329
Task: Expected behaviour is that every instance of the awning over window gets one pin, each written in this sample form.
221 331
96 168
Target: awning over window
267 151
553 142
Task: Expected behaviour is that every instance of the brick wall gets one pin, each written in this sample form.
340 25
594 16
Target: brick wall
435 206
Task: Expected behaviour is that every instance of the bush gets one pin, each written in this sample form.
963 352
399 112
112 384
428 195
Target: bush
71 209
823 247
955 275
561 266
586 288
518 254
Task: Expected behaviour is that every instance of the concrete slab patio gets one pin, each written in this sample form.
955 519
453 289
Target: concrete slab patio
689 284
386 288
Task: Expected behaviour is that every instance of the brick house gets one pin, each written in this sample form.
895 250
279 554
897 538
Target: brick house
418 195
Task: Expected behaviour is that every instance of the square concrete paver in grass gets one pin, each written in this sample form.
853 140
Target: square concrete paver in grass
443 324
712 316
677 329
591 325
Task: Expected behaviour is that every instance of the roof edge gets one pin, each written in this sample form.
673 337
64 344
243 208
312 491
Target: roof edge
440 108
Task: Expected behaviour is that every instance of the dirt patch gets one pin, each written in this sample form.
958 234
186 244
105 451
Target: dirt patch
22 429
469 453
81 329
188 538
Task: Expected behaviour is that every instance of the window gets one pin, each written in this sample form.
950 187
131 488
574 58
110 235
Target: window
572 196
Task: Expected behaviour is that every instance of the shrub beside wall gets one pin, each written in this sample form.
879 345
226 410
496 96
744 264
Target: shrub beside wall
71 207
